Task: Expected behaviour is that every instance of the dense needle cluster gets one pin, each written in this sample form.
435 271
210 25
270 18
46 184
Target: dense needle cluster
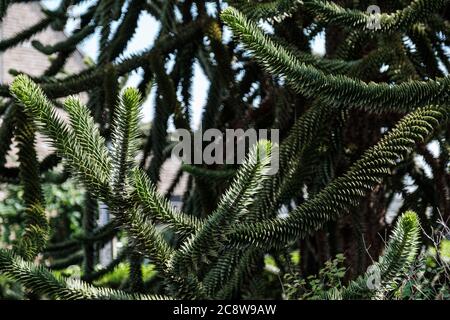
352 123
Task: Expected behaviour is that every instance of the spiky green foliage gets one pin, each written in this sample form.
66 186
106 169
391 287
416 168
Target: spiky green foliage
64 139
43 281
37 230
3 7
339 172
206 243
331 13
381 278
273 10
206 174
25 34
124 137
165 105
346 191
159 208
64 45
235 204
333 89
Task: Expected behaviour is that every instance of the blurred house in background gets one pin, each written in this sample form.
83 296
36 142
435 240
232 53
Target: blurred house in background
25 58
